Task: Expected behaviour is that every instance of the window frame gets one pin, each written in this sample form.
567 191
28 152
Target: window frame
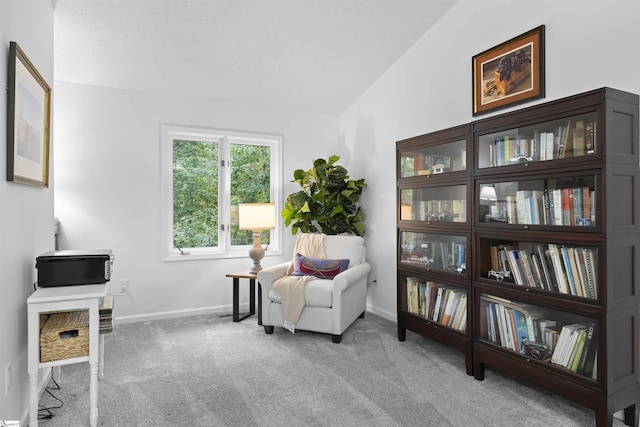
224 138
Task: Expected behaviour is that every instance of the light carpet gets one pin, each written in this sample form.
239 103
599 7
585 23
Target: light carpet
208 371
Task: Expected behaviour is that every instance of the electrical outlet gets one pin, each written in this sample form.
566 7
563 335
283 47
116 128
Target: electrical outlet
124 285
7 378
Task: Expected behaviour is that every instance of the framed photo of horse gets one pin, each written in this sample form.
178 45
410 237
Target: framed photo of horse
510 73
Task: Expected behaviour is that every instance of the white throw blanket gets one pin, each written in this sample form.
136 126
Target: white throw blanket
291 288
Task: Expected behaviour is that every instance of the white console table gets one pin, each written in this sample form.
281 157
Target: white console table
65 298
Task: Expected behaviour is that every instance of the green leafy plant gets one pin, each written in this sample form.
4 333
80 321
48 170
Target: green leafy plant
328 201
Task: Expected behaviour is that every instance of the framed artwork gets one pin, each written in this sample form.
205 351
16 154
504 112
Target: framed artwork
28 121
510 73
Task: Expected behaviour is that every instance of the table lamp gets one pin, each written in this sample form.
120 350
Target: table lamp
256 217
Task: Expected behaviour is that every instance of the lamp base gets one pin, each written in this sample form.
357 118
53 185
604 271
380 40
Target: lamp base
256 253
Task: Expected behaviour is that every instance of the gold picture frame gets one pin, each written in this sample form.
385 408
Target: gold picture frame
510 73
28 121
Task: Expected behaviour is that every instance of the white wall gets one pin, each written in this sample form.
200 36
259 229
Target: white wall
108 188
26 213
589 44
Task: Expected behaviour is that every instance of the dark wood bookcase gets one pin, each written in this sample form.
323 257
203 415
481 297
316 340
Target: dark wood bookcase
547 251
434 237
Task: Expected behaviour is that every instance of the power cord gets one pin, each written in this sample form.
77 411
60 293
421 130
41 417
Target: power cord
47 414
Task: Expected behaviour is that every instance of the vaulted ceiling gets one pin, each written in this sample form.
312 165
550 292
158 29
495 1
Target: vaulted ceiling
314 55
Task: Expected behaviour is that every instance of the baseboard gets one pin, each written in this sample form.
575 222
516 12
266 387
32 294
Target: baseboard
148 317
120 320
382 313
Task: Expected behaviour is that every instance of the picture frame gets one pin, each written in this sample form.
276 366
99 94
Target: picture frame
510 73
28 121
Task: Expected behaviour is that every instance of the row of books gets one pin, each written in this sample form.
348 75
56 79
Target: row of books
577 348
443 210
565 269
425 164
572 206
576 138
437 302
106 315
449 256
532 331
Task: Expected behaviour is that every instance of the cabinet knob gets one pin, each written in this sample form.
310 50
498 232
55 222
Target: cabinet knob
528 359
526 227
526 165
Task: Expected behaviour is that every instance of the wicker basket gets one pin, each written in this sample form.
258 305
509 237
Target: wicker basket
65 335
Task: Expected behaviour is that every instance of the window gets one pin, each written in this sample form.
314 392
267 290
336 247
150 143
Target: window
206 174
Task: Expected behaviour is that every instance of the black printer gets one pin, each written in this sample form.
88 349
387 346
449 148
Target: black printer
74 267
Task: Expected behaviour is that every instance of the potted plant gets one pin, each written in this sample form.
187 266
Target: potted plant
328 201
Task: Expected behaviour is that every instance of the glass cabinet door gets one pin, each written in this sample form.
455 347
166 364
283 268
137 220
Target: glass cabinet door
561 201
434 251
438 302
564 340
434 160
574 136
434 204
558 268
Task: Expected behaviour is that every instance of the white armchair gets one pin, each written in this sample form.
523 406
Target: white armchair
331 305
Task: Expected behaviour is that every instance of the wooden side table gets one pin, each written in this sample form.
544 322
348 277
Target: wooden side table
65 298
252 296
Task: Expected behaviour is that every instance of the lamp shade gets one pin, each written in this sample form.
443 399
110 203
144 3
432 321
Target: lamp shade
488 193
257 216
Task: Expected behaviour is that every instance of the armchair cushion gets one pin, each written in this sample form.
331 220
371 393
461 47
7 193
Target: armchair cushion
321 268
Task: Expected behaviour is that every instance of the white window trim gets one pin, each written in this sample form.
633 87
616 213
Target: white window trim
224 250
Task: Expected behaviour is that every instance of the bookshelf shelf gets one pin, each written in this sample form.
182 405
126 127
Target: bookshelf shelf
550 240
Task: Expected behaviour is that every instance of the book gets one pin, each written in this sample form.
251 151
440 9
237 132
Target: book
437 310
412 295
491 325
514 257
537 207
542 259
523 206
526 268
495 263
543 324
451 306
520 329
538 274
574 361
579 140
560 346
567 266
558 208
550 267
577 205
582 271
587 359
567 206
574 271
590 267
567 136
550 146
589 137
556 259
572 347
460 313
432 292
